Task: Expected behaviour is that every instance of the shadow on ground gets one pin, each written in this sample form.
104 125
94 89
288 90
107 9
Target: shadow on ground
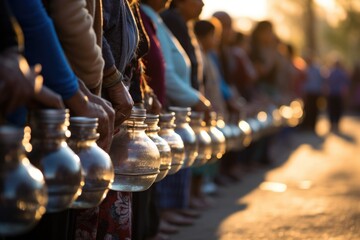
283 145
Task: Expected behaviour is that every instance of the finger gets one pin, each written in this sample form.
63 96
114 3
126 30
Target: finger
108 103
105 139
13 102
38 84
48 98
103 128
37 68
24 66
119 118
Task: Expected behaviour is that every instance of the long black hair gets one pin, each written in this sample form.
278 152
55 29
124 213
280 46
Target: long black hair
255 42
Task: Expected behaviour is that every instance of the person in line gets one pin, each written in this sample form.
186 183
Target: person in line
337 89
227 60
312 91
146 221
42 46
122 71
173 192
208 33
20 86
179 18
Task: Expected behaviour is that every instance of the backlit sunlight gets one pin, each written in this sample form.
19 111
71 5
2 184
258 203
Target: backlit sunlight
244 12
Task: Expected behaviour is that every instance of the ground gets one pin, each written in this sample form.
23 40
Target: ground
313 192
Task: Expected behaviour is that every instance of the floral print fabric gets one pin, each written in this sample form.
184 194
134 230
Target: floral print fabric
110 221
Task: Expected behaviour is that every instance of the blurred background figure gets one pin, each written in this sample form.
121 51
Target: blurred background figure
208 33
313 90
298 67
337 89
182 74
264 55
179 18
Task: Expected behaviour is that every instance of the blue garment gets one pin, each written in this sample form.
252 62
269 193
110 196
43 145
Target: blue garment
225 89
314 80
337 81
186 37
42 46
174 190
179 91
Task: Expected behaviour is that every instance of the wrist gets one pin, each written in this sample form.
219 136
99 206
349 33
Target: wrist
111 78
77 104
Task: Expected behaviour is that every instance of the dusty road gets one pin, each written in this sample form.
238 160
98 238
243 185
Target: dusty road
313 193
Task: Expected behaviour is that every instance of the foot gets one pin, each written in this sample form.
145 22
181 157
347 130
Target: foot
222 180
198 203
159 236
176 218
167 228
191 213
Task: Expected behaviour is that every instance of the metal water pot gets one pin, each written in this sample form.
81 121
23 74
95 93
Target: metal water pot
23 194
186 133
59 164
218 141
135 157
97 167
202 138
163 147
166 124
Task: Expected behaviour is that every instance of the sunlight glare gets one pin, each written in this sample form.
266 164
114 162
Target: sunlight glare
333 12
273 187
305 185
255 9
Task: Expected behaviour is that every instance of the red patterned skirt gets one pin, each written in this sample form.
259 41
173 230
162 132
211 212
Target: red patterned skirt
110 221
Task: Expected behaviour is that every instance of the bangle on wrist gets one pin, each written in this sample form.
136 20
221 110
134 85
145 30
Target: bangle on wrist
112 80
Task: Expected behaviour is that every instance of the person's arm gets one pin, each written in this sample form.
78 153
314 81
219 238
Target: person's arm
73 24
42 46
21 85
177 90
113 88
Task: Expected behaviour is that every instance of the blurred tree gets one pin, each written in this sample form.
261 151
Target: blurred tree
310 26
344 37
321 27
299 20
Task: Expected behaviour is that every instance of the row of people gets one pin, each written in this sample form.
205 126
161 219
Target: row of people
99 57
